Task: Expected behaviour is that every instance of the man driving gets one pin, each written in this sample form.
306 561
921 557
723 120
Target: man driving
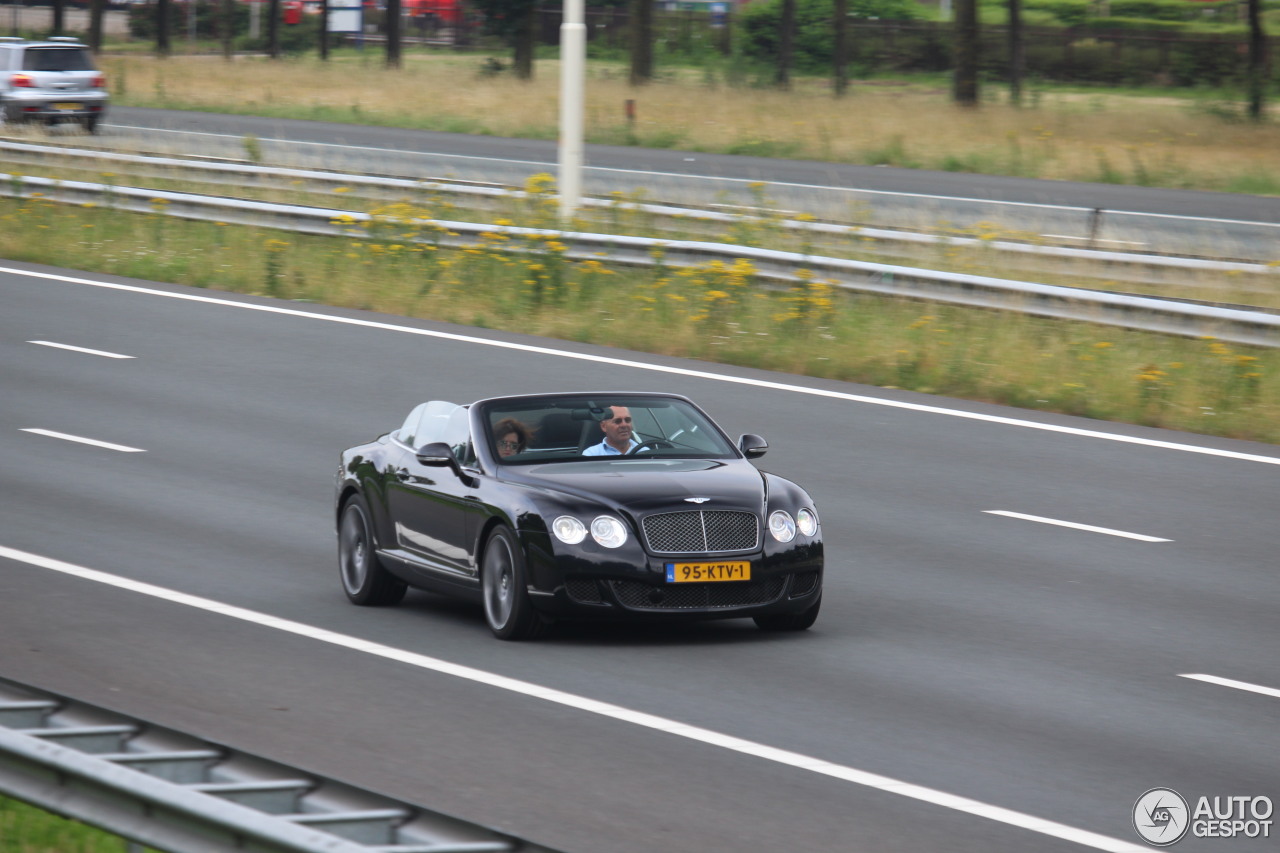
618 438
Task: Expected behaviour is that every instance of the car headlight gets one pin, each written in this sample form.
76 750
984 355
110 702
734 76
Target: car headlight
782 525
608 531
569 530
807 521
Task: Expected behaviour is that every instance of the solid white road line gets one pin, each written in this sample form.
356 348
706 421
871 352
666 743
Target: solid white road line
1238 685
640 365
82 440
1089 527
592 706
102 353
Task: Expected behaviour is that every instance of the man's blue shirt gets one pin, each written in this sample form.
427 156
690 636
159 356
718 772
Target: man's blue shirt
604 448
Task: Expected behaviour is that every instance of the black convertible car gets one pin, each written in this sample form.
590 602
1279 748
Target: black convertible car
551 506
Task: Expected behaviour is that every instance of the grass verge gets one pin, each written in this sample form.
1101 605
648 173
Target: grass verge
1198 141
27 829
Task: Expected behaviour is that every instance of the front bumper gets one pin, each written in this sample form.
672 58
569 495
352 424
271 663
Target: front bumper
779 585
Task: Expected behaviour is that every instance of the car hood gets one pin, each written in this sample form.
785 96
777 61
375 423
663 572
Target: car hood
651 484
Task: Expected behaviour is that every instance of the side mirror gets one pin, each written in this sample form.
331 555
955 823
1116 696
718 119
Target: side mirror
752 446
437 454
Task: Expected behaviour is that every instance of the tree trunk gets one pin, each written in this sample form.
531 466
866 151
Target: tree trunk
162 27
786 38
97 11
393 33
59 17
840 82
227 27
1017 53
526 43
324 30
965 80
273 29
1257 62
641 42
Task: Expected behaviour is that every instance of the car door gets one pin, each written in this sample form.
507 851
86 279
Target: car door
431 506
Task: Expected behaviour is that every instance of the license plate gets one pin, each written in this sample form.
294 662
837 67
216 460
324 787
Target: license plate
67 106
737 570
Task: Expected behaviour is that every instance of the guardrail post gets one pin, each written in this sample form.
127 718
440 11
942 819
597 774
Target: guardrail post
1095 225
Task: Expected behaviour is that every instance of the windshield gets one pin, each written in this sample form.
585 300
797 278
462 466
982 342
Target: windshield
570 428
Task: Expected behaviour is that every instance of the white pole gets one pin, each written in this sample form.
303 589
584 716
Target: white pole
573 58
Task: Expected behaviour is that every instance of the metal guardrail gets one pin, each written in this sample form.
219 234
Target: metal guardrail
1087 245
181 794
1136 312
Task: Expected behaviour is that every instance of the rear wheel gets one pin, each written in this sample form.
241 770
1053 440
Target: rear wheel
364 579
504 585
91 123
790 621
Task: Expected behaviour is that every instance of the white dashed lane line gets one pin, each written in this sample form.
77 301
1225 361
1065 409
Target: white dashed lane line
1237 685
79 439
84 350
1087 527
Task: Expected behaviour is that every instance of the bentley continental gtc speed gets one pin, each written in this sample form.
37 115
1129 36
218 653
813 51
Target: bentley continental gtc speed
570 506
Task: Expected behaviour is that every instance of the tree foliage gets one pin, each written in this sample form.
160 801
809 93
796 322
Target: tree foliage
813 43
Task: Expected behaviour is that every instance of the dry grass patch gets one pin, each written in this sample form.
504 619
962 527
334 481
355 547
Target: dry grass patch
1159 141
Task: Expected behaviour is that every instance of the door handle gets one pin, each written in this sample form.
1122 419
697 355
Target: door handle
403 475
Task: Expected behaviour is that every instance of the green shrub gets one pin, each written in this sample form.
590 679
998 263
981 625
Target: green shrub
814 42
142 20
1070 13
1135 24
1168 10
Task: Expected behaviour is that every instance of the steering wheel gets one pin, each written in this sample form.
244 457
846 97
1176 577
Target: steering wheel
651 444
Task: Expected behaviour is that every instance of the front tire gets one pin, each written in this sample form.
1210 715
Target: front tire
801 621
504 587
364 579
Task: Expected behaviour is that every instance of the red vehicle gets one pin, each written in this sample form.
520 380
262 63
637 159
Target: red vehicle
444 11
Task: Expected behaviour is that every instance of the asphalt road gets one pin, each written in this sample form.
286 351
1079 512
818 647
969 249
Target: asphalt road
1023 665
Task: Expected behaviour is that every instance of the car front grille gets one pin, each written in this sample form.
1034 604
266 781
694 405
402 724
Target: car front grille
635 595
701 532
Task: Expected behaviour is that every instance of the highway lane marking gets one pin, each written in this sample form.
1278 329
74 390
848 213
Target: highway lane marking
592 706
1075 526
82 440
102 353
658 368
1238 685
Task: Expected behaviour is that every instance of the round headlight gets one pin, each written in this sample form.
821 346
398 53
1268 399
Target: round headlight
782 525
608 531
569 530
807 521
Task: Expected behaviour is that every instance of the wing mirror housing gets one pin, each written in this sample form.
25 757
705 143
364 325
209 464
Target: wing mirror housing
437 454
752 446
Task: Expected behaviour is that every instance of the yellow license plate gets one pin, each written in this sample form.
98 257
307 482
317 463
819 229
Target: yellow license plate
737 570
67 106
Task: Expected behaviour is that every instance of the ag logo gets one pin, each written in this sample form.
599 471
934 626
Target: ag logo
1161 817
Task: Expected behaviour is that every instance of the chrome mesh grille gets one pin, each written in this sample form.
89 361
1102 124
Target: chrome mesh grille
701 532
635 595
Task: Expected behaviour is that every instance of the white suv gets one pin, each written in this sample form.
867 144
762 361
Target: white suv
50 81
